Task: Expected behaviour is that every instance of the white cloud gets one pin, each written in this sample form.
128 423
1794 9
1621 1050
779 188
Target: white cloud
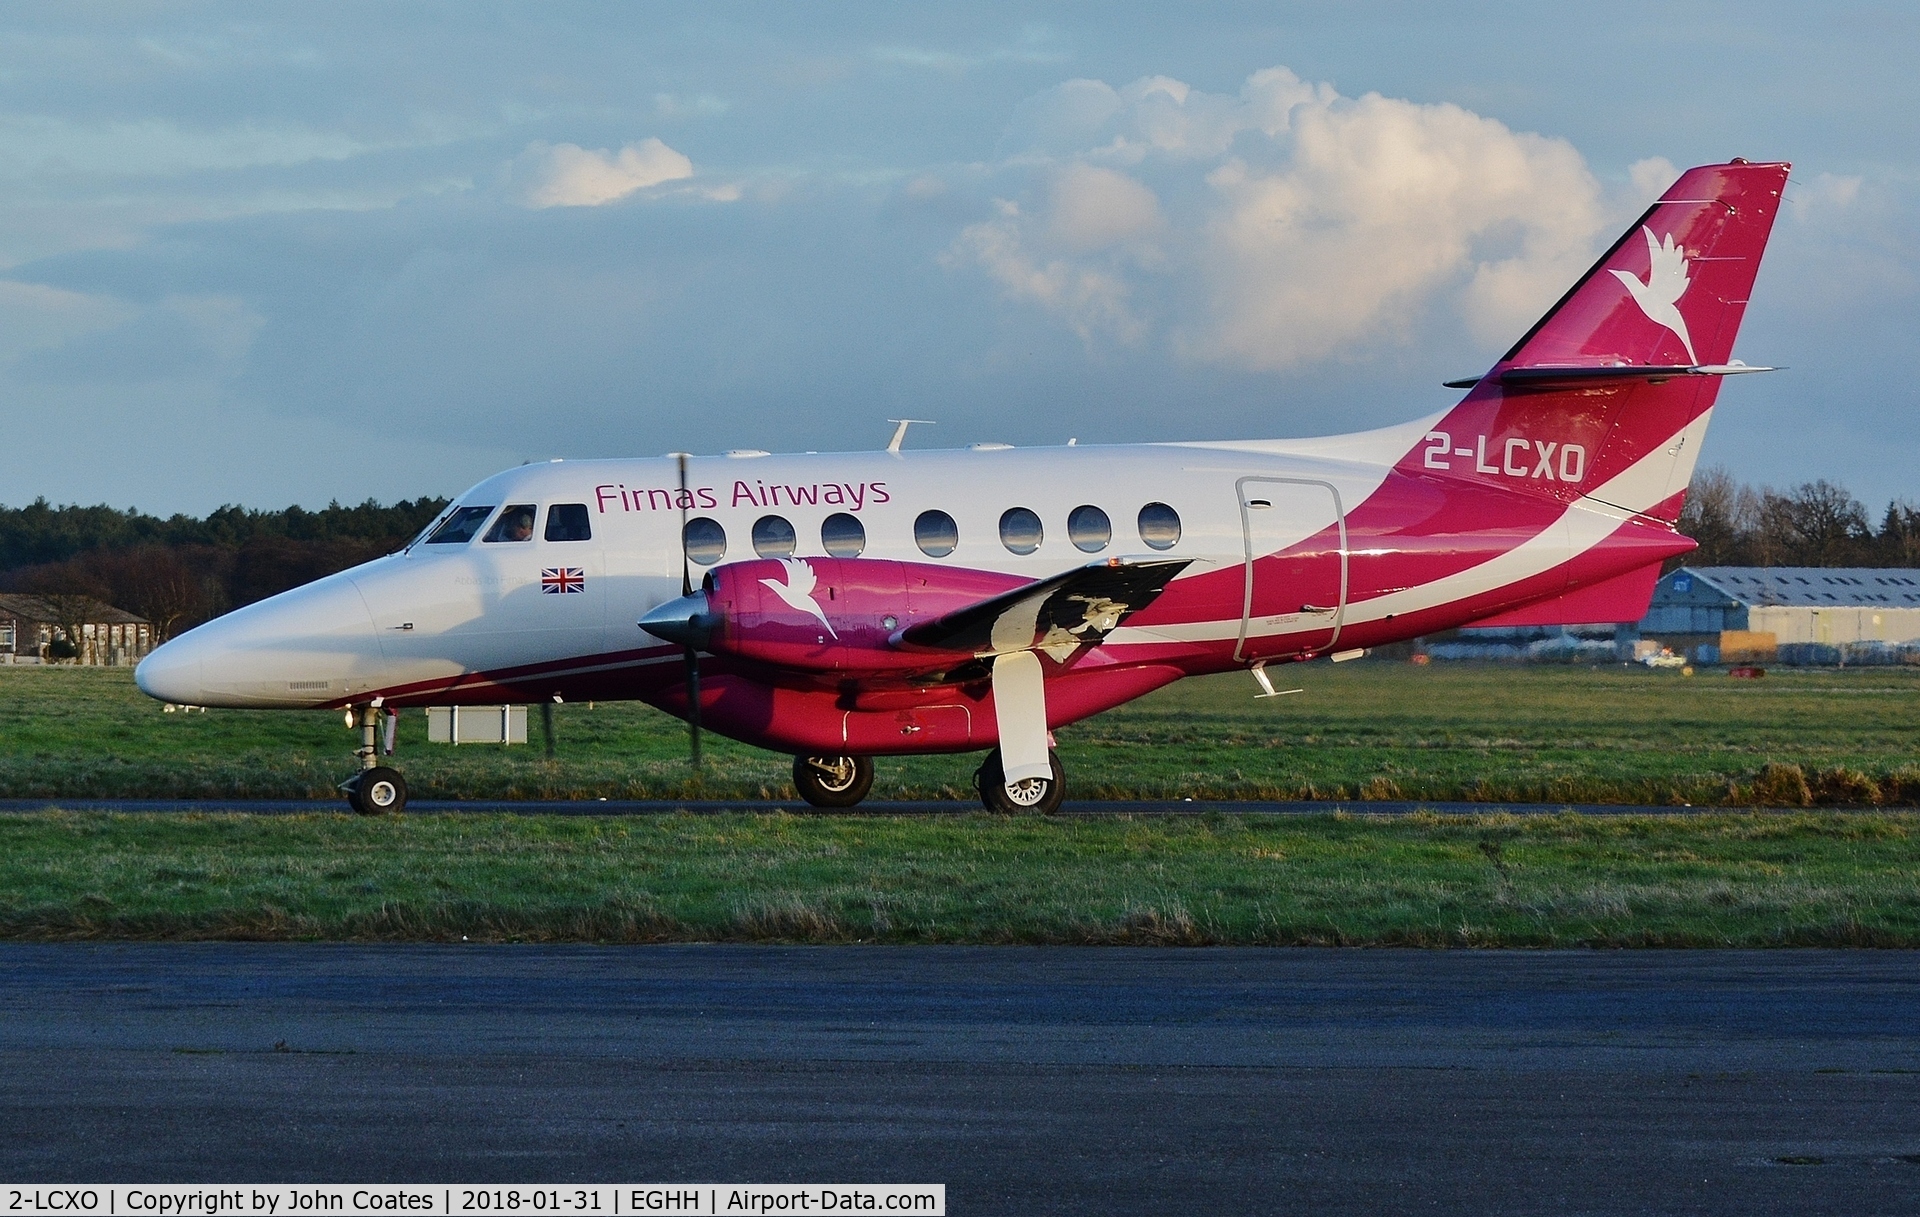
35 317
1652 176
567 175
1094 208
1282 224
1090 299
34 146
1822 195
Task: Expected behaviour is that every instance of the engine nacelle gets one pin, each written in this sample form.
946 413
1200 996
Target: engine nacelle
838 615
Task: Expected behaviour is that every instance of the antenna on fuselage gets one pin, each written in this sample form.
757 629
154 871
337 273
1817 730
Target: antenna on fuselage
900 432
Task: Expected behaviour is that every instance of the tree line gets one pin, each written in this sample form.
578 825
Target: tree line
182 570
1813 524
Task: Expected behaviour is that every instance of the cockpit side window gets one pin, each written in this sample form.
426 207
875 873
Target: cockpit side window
515 524
568 522
461 526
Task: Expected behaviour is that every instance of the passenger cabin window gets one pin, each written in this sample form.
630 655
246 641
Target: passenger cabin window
842 535
568 522
1159 526
705 540
936 534
460 527
1020 530
1089 529
515 524
773 537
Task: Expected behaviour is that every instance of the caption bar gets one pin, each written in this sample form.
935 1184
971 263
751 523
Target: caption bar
446 1200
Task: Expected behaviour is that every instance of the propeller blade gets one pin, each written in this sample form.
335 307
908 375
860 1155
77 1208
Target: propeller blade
693 655
693 706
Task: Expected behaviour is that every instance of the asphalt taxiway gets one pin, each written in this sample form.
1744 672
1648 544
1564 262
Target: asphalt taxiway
1030 1080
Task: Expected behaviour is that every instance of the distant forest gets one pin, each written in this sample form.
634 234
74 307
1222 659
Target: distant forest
180 571
1812 524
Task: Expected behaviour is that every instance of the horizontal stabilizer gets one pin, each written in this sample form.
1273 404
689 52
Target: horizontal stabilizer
1540 375
1079 607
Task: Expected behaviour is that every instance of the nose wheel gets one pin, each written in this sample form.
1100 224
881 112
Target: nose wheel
377 789
1034 796
833 781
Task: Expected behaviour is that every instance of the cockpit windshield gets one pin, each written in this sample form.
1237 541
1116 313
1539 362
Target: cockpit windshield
460 526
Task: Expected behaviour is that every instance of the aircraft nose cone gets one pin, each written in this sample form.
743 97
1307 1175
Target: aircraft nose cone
171 673
307 647
686 621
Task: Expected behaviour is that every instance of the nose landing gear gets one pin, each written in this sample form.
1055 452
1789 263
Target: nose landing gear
377 789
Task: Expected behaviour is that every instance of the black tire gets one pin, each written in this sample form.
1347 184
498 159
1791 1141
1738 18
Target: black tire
833 781
1039 796
379 791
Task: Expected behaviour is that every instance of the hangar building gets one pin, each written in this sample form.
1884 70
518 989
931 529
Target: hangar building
1796 614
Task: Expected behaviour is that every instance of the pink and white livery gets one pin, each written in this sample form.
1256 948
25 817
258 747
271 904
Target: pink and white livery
845 606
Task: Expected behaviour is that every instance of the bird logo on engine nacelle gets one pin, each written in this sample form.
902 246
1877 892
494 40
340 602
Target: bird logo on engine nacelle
797 591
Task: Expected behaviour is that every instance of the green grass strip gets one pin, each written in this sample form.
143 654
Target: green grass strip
1367 730
1814 878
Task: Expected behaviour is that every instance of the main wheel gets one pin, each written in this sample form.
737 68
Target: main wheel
833 781
1033 796
378 791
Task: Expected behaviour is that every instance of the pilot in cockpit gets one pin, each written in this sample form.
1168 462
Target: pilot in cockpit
515 524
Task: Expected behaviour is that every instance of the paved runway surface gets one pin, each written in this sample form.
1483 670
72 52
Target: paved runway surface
644 807
1029 1080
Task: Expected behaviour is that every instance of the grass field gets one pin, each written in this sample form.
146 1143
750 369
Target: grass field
1360 731
1712 879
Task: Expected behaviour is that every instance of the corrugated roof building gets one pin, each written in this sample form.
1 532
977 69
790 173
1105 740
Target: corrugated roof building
1840 614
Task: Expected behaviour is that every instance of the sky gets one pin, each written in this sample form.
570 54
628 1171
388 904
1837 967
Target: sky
290 254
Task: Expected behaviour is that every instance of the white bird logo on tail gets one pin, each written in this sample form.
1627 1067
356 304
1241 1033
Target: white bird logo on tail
797 591
1666 282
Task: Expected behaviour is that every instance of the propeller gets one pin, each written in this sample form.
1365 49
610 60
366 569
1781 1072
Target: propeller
693 654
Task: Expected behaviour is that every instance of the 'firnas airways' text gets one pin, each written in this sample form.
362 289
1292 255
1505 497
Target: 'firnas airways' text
851 495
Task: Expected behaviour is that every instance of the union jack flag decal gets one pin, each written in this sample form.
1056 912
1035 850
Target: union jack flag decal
557 580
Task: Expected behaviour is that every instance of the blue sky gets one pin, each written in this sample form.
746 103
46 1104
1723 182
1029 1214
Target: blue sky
267 254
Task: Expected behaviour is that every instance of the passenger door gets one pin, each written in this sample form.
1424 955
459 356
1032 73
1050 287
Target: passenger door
1295 536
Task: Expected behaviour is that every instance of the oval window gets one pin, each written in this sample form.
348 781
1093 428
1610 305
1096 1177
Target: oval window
842 535
773 537
1159 526
1089 529
1020 530
936 534
705 540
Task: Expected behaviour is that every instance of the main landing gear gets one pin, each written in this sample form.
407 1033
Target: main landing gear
1033 796
377 789
833 781
842 781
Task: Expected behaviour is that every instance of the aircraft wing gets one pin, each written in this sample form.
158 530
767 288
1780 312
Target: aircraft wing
1076 608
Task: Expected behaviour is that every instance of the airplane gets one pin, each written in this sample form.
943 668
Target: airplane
845 606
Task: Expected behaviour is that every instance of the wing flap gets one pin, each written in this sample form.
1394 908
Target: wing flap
1079 607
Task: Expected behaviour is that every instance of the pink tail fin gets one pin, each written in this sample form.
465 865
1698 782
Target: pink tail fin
1672 290
1609 394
